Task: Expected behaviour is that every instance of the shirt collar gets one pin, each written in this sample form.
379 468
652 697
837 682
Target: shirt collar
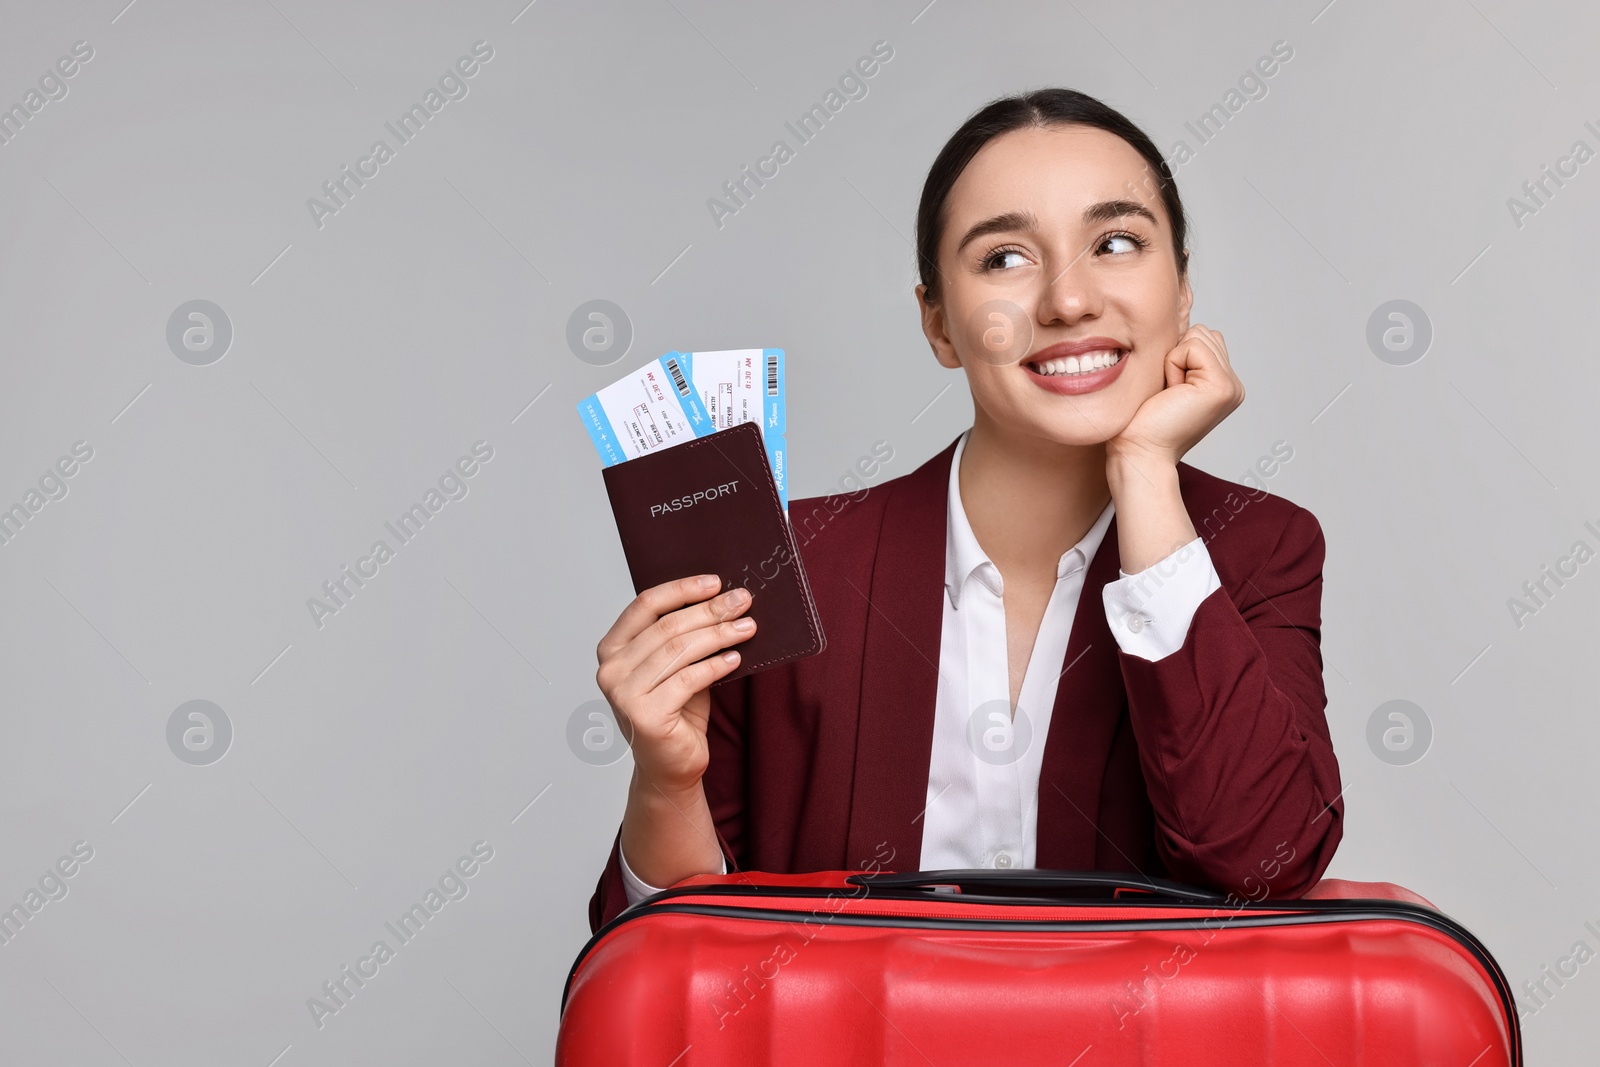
965 558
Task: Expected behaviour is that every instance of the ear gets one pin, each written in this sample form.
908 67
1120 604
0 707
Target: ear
935 329
1185 298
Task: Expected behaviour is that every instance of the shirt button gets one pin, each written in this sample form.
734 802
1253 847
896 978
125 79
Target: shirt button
1002 859
1135 622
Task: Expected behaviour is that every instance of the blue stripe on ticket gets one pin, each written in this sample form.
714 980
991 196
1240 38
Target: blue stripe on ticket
778 459
777 417
600 432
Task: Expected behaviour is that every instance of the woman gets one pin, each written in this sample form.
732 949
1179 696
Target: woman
1034 658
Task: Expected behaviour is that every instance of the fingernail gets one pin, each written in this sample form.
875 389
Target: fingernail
740 596
744 626
707 581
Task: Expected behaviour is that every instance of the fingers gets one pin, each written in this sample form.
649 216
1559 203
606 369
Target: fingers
1199 343
1185 356
691 630
1204 340
648 607
675 690
686 648
1177 364
1212 342
671 637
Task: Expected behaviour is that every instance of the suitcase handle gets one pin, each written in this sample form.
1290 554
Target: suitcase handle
978 879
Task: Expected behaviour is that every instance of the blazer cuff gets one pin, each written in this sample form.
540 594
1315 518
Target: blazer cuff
635 888
1150 612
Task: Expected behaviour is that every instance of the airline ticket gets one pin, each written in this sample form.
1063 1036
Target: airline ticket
654 407
745 385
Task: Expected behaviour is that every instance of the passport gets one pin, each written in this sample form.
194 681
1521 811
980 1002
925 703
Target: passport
710 505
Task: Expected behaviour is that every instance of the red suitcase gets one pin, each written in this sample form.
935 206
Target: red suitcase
1031 967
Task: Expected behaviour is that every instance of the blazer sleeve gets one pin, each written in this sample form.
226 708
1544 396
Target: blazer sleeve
724 783
1232 734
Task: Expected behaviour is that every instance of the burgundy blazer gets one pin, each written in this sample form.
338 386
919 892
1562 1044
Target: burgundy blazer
1212 766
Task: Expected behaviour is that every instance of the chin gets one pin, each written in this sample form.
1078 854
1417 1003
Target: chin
1083 420
1076 431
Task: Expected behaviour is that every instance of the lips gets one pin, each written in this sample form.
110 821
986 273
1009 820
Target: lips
1083 366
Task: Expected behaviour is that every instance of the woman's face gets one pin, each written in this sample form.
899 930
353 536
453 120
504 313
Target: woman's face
1056 241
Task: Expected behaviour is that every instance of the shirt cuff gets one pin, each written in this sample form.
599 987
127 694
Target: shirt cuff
634 888
1150 612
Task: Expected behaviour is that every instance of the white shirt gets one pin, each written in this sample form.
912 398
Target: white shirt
983 774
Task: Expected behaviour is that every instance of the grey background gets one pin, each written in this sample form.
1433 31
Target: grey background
430 313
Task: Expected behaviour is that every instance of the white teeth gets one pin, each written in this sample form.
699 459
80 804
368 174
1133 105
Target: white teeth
1091 361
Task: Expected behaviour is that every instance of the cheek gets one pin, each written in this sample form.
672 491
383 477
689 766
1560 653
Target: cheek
1152 348
1147 375
997 332
1153 305
986 381
1155 315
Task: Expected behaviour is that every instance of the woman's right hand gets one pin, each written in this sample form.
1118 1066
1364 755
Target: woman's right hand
657 663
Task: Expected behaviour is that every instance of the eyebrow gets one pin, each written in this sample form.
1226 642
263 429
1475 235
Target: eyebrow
1107 210
1012 221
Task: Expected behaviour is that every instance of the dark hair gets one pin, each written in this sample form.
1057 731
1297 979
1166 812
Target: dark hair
1041 107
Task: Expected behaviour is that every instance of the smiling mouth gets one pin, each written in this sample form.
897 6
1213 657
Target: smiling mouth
1087 363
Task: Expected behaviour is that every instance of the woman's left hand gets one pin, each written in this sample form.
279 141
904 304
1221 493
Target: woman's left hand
1201 390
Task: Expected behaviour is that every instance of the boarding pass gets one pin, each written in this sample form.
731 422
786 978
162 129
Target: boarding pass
654 407
684 395
746 385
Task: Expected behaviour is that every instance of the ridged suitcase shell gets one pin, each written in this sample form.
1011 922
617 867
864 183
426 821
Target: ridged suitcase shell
812 969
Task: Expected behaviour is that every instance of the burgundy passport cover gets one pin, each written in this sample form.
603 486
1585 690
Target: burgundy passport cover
710 506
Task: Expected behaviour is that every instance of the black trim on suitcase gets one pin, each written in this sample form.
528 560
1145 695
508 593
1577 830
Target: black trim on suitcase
1034 878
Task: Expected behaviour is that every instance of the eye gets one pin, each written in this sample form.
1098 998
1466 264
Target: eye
1004 259
1125 238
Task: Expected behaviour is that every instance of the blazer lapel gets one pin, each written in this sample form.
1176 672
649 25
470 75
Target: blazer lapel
1083 722
900 672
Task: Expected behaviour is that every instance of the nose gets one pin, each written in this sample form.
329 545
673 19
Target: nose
1071 293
